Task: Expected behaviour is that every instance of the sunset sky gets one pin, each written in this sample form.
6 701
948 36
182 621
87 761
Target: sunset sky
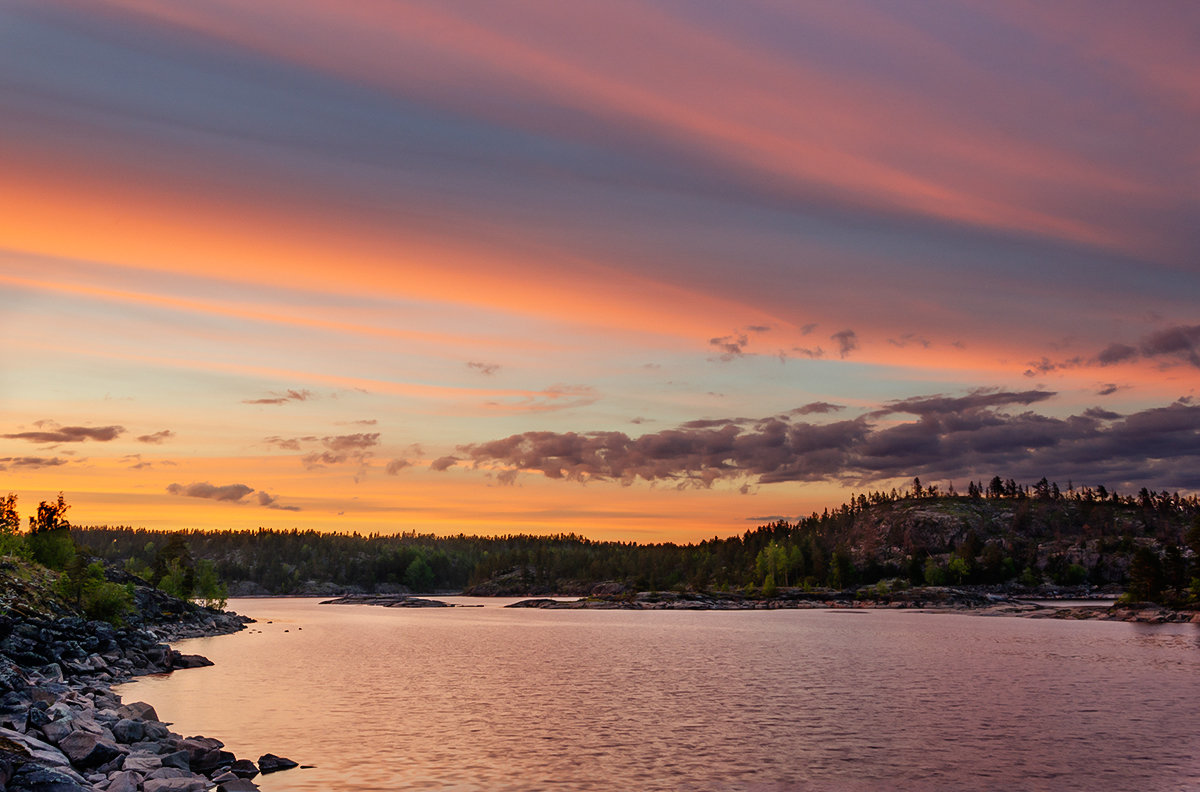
649 271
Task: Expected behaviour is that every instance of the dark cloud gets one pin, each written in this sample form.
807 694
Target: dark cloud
286 443
979 399
734 345
847 341
30 462
233 493
816 407
338 448
808 328
444 463
272 502
487 369
68 434
157 437
282 398
1115 353
1180 341
1046 366
708 423
952 437
319 459
228 493
1108 389
910 339
730 346
351 441
396 465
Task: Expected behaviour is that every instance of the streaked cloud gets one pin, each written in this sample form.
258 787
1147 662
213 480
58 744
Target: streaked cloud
233 493
53 433
283 398
30 462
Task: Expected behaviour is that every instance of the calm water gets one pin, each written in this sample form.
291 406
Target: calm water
492 699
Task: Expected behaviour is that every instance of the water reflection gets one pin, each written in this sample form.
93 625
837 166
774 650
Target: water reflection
491 699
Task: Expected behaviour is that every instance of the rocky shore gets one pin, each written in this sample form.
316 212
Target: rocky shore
929 598
387 601
63 729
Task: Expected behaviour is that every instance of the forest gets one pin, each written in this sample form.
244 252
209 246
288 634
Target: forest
1000 534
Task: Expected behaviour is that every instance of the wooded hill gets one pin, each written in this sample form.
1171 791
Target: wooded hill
999 533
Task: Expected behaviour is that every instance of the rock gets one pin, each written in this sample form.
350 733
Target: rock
123 781
188 784
244 768
179 660
204 753
136 710
142 763
128 730
238 785
55 731
36 749
178 759
270 763
156 731
35 778
85 749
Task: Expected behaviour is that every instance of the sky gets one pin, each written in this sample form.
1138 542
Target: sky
648 271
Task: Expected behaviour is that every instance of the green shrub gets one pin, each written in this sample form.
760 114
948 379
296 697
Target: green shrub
85 587
108 602
935 575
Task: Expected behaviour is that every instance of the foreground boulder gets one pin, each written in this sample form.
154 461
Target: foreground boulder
85 749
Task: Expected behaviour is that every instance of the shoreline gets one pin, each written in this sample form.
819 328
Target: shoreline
62 728
923 599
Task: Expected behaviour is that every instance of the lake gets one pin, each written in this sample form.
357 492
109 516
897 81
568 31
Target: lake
487 698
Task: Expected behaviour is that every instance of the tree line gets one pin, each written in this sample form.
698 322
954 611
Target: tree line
1011 534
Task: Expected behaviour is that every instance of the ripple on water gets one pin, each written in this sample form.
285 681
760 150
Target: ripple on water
492 699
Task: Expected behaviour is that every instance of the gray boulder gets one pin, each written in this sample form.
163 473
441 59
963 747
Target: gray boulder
128 730
28 745
36 778
123 781
188 784
138 709
142 763
56 730
177 759
85 749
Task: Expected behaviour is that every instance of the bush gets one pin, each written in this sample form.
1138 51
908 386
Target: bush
87 589
108 602
935 575
53 549
211 592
